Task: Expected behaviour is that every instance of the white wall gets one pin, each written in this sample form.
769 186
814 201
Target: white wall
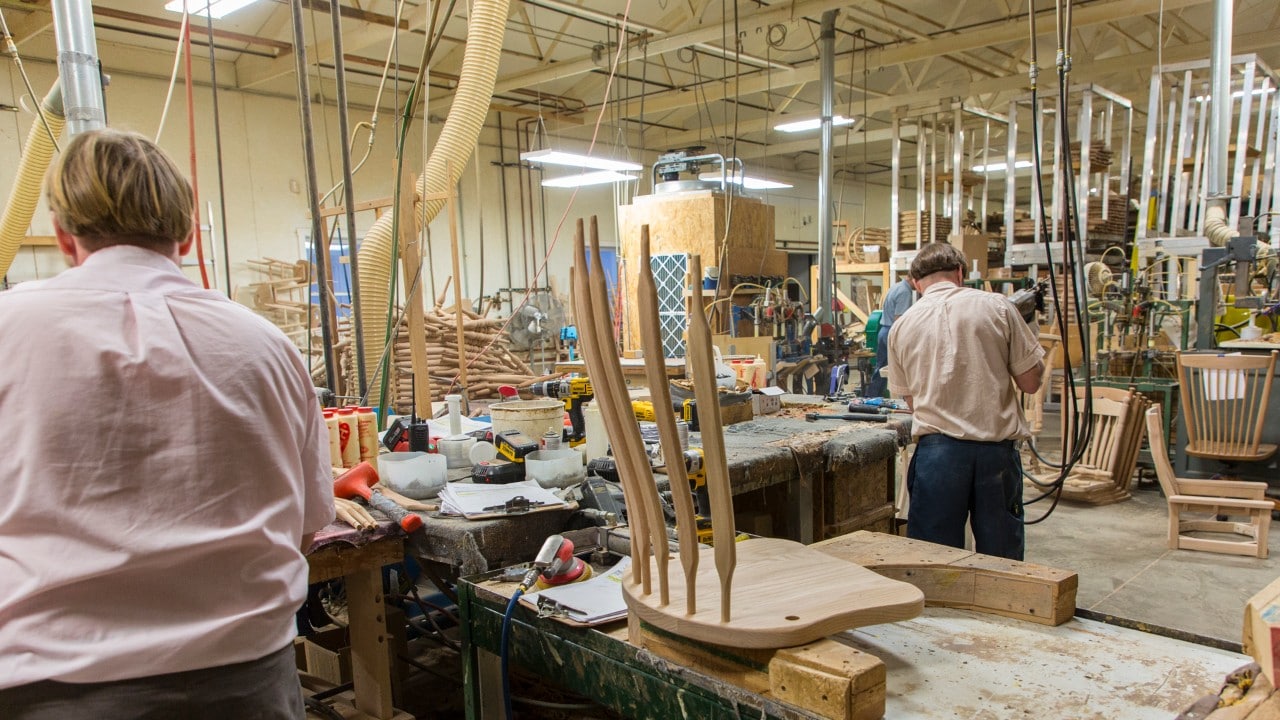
267 211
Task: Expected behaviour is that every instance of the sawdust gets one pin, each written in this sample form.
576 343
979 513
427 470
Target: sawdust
807 443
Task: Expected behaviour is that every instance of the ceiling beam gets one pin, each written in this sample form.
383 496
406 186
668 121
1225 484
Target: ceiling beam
669 43
998 34
253 71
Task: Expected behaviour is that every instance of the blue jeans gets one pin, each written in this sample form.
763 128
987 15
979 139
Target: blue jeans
951 481
878 386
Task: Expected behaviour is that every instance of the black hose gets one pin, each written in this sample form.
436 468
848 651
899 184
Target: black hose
322 709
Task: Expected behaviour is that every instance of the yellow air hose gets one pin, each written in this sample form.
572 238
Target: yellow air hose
25 193
486 27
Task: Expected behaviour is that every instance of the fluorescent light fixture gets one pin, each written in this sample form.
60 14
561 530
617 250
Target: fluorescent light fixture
216 9
811 124
590 162
1000 167
591 178
748 182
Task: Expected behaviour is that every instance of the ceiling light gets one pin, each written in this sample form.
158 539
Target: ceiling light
591 162
1000 167
216 9
748 182
811 124
592 178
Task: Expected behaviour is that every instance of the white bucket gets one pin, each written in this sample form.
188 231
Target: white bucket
555 468
531 417
416 475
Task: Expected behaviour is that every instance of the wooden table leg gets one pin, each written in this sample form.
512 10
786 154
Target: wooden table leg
370 663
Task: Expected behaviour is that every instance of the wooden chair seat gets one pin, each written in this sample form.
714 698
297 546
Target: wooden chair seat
1212 452
1210 499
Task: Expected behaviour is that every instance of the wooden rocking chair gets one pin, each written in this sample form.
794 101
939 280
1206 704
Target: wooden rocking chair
1215 497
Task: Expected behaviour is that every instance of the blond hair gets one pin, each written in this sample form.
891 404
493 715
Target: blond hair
119 188
936 257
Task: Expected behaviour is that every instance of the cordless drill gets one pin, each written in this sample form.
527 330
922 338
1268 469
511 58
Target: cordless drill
573 392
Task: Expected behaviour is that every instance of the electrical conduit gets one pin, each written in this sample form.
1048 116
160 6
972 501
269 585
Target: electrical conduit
485 30
25 193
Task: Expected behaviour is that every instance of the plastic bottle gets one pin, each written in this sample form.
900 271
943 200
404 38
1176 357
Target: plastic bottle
455 413
597 438
335 445
349 437
367 426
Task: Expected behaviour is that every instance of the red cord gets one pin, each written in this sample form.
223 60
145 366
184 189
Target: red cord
191 141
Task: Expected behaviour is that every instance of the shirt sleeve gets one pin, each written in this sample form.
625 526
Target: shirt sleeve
898 386
1024 347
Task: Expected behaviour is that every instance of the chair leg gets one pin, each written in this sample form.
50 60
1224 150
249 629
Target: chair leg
1262 525
1174 511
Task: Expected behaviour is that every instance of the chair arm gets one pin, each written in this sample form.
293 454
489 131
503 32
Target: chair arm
1223 488
1222 502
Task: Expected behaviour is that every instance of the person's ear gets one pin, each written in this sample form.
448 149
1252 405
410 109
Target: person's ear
66 241
185 246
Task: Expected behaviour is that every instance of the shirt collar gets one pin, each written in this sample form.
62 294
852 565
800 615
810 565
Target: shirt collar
940 286
131 255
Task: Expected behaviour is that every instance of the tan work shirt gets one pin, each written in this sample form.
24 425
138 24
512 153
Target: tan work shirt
955 353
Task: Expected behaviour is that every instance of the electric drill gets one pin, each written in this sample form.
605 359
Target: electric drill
686 410
573 392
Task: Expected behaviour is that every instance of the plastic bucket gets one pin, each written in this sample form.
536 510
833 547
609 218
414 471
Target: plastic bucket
555 468
416 475
531 417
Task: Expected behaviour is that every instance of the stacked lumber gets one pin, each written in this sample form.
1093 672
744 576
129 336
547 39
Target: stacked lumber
933 228
490 361
1099 156
1104 473
850 242
1113 226
968 178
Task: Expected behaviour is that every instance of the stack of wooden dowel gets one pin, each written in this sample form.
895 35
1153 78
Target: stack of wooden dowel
939 226
490 362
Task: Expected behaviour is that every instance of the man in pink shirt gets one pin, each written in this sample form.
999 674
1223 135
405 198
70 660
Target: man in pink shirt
165 464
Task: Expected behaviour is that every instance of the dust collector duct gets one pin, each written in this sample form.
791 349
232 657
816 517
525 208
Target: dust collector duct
25 193
485 30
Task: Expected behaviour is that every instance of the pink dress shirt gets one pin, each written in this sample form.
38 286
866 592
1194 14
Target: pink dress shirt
161 455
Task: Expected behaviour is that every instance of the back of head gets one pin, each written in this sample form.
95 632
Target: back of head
118 188
936 257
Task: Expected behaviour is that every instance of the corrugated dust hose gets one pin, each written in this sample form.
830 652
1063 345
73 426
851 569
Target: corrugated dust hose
452 150
25 193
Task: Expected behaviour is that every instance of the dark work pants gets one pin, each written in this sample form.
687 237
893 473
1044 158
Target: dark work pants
878 386
951 481
262 689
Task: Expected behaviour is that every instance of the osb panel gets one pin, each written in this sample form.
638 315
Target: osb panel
694 223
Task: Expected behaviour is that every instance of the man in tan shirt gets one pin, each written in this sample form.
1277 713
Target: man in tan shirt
956 357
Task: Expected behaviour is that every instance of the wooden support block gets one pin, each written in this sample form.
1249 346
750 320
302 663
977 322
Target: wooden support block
824 677
1262 629
950 577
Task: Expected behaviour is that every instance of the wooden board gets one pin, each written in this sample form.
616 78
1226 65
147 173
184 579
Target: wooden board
785 595
824 677
1262 629
950 577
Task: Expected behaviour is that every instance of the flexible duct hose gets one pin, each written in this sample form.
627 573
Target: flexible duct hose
25 193
486 27
1215 224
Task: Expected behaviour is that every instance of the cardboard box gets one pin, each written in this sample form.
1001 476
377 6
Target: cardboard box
1262 629
328 655
766 401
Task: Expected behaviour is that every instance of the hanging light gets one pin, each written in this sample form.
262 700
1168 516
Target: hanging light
590 162
216 9
584 179
811 124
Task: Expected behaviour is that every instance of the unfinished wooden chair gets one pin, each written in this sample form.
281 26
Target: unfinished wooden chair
1224 404
1105 469
1033 403
1230 498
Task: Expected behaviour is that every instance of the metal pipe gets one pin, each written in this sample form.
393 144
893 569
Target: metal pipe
826 252
318 244
217 145
349 194
1220 97
78 66
506 215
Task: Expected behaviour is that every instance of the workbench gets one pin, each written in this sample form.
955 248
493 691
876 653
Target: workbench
790 478
948 662
360 564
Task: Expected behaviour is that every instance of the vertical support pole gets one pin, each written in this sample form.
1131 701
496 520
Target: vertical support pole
922 141
1242 142
1162 223
986 171
1180 198
411 270
1198 169
78 69
1011 177
1148 155
895 205
1085 133
344 129
957 171
826 250
455 252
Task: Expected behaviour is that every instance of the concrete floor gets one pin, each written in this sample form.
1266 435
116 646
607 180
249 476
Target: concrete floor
1127 570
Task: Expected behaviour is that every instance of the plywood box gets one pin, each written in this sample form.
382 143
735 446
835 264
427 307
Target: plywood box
328 655
694 223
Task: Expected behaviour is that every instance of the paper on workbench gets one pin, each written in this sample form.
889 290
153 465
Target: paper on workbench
478 499
594 601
